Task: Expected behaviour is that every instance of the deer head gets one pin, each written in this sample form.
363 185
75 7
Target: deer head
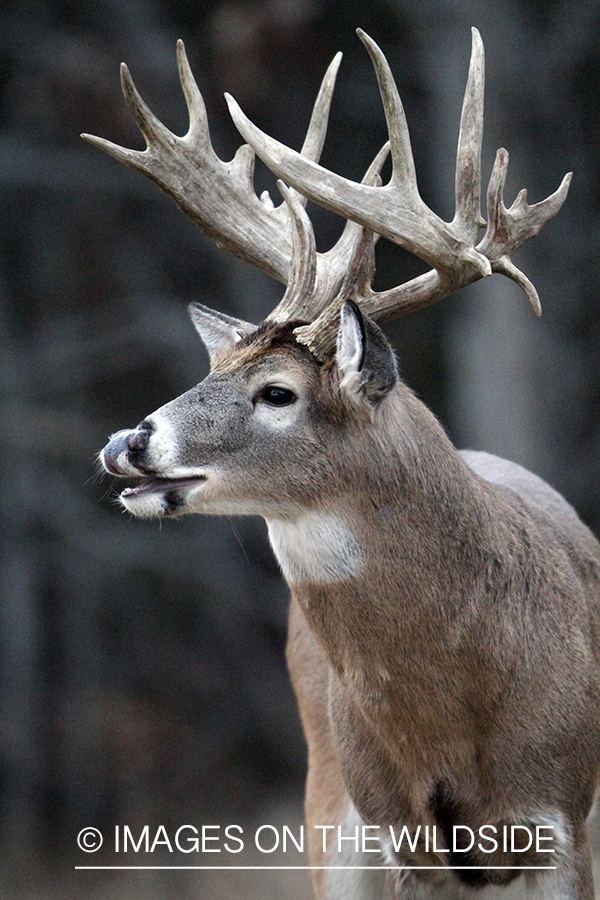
319 363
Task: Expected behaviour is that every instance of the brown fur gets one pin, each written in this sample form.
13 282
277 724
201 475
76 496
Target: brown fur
454 678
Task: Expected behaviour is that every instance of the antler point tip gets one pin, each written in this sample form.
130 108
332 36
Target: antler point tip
337 59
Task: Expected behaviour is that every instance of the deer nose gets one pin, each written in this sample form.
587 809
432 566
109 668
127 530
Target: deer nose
120 455
138 440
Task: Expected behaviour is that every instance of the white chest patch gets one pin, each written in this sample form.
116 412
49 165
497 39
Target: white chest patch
315 547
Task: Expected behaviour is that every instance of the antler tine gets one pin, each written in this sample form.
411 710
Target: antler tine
403 164
319 120
341 254
296 303
132 158
153 130
355 251
509 229
198 130
317 129
467 219
315 136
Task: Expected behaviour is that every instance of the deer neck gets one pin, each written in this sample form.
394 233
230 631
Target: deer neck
386 563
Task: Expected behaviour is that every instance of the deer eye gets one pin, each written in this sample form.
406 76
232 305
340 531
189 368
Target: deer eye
277 396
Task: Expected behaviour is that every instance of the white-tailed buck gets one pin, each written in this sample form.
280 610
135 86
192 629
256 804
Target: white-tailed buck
444 632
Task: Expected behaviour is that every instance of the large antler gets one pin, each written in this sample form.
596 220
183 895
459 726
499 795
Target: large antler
220 197
397 211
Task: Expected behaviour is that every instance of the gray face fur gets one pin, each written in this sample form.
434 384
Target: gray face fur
256 435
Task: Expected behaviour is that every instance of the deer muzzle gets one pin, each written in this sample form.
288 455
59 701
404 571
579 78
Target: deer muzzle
129 454
124 453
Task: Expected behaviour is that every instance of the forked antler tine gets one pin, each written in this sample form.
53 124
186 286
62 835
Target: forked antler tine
509 229
296 303
467 218
525 221
147 122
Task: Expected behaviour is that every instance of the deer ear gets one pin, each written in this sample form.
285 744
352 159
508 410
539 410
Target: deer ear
364 357
217 330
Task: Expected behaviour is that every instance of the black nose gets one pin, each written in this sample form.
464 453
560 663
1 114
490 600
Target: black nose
138 440
122 455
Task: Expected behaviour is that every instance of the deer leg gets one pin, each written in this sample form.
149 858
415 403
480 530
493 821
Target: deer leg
327 800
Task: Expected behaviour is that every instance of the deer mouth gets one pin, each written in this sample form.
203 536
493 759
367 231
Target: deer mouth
160 496
162 485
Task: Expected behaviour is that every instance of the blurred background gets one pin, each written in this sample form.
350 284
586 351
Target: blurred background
142 672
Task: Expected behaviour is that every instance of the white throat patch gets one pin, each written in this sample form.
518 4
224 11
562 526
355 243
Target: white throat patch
316 547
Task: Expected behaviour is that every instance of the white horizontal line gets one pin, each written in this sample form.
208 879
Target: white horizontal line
314 868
